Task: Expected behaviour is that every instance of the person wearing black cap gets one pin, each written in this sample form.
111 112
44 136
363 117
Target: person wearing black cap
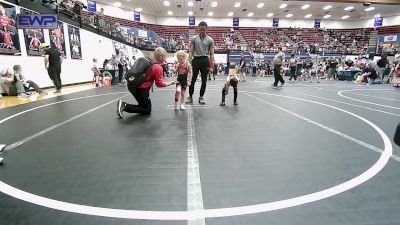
202 52
52 63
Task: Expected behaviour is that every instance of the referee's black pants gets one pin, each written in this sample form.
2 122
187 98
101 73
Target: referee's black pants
202 65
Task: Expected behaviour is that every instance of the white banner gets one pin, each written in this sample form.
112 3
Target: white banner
142 33
390 38
220 58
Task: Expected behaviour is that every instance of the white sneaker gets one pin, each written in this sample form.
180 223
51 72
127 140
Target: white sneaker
176 106
120 108
1 160
183 107
2 146
23 95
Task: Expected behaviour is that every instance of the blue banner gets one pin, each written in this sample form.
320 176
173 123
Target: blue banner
37 21
91 5
275 22
136 16
235 22
317 23
192 21
378 22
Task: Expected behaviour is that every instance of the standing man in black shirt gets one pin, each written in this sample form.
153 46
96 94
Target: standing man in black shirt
332 73
52 63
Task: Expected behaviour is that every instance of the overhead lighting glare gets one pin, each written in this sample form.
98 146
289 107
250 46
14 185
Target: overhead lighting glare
214 4
348 8
289 15
327 7
138 9
190 13
270 14
237 4
327 16
117 4
210 13
190 3
308 16
283 6
166 3
230 14
250 14
345 17
170 13
369 9
260 5
377 15
305 6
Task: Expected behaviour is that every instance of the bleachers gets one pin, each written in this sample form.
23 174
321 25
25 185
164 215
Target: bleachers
360 35
389 30
217 34
338 40
168 31
267 37
308 36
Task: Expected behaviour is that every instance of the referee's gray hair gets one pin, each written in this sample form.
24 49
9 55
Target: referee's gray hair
160 51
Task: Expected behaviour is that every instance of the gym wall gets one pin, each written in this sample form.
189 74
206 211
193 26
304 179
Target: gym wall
247 22
257 22
73 71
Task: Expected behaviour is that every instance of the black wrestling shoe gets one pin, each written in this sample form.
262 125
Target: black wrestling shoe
201 101
189 100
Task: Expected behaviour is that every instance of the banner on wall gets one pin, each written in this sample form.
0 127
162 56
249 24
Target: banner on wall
36 21
142 33
317 23
235 22
33 39
9 40
57 39
192 21
378 22
91 6
220 58
75 42
390 38
136 16
275 22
